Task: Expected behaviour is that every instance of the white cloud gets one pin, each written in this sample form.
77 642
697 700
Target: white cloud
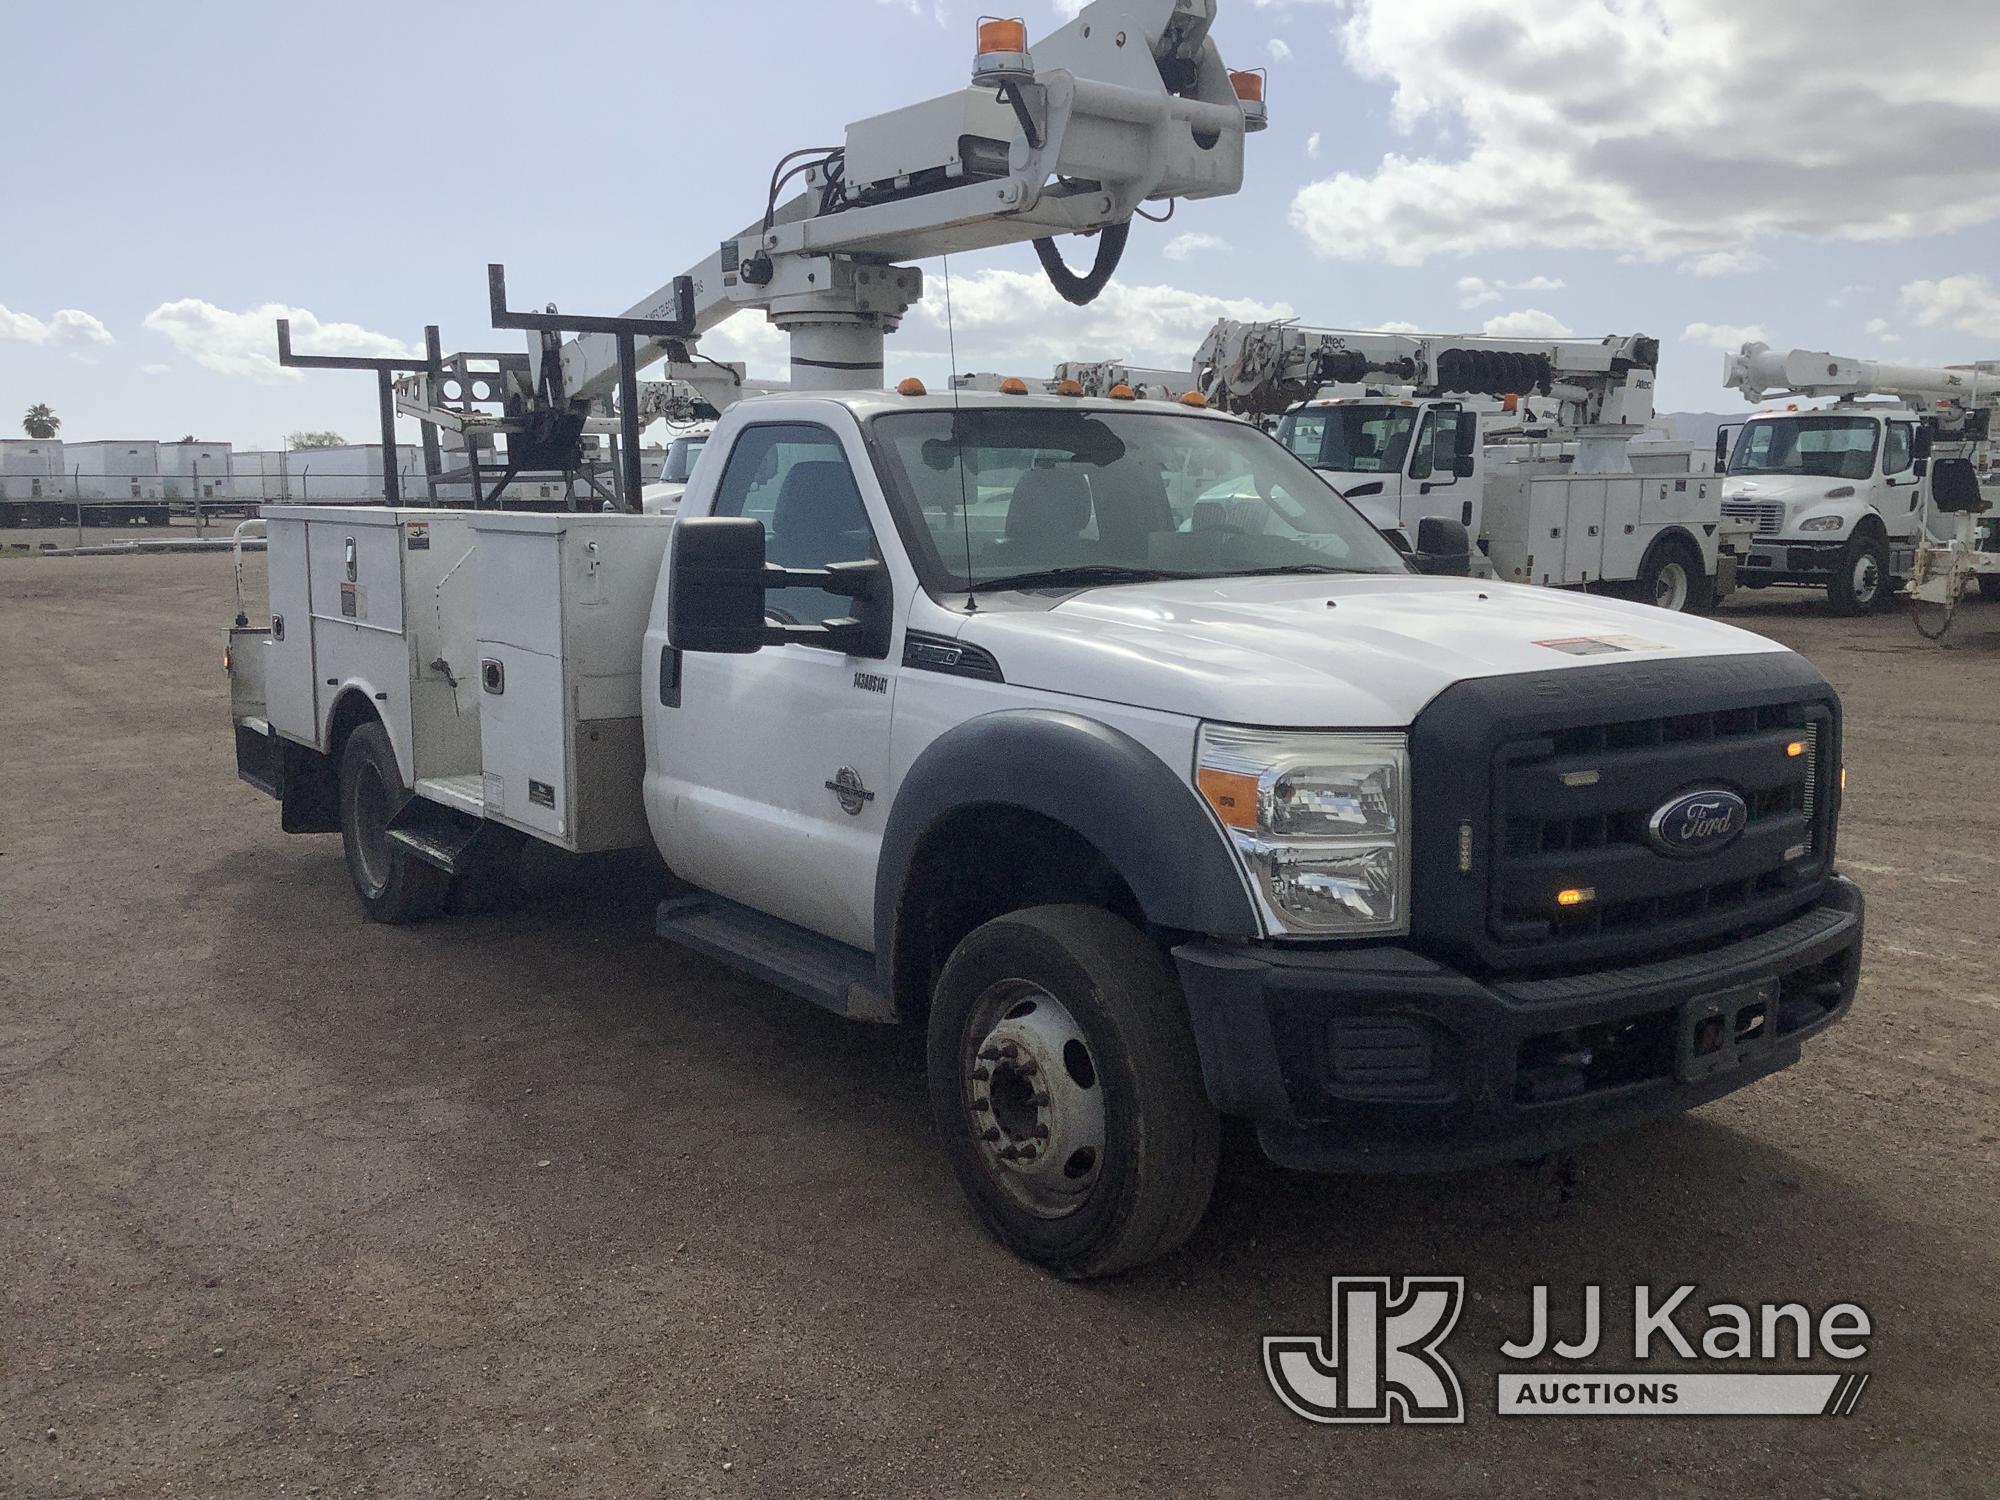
156 369
918 9
1476 291
1660 128
1181 246
1067 9
67 328
246 343
1880 328
1280 50
1728 337
1725 263
1528 323
1013 321
1312 146
1968 304
1845 295
751 340
1395 325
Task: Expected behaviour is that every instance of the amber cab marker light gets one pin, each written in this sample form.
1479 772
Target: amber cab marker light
1232 794
1013 385
1576 895
1123 393
1194 398
1070 388
1796 748
909 385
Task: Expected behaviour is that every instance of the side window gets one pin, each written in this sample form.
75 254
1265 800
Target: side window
1896 452
1420 458
795 478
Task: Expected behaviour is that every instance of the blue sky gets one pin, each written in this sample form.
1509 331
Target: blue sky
1650 165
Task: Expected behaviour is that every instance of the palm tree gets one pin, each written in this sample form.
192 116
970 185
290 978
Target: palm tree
41 422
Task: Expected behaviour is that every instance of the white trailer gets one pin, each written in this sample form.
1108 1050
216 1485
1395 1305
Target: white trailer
34 484
117 481
197 476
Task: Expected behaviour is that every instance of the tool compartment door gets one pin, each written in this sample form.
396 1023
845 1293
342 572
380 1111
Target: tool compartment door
523 732
288 655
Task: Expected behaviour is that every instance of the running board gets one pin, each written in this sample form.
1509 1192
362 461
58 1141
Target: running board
801 963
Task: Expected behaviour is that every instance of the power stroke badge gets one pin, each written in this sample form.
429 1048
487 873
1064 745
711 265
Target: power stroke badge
1383 1357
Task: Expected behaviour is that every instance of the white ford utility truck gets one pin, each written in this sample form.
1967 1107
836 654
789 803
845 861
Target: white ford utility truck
1108 743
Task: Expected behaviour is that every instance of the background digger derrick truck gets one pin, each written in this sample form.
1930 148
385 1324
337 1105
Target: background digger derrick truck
1562 502
952 712
1850 495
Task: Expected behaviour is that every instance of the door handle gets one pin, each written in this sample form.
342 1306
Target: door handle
670 677
493 675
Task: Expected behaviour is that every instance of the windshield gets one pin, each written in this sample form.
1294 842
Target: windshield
681 454
1832 447
1044 497
1351 439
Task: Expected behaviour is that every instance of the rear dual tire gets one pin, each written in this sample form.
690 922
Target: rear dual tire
1671 578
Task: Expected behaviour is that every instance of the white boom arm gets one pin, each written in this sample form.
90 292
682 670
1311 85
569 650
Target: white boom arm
1761 372
1127 103
1269 367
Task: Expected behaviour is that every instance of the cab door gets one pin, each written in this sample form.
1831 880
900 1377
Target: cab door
768 778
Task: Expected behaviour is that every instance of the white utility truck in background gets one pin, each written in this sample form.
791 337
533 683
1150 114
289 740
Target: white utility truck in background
1151 807
1845 496
1560 502
663 496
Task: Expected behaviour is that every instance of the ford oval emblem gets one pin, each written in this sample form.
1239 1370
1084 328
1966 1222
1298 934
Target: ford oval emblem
1702 822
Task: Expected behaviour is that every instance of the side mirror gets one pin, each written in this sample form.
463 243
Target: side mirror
1444 547
1468 438
715 598
1920 440
1462 466
1920 467
715 601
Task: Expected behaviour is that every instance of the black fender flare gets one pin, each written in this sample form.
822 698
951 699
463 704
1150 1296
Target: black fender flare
1098 782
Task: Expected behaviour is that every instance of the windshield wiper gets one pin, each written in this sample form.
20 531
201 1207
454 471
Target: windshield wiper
1082 575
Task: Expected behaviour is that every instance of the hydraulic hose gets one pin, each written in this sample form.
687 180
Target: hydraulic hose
1082 289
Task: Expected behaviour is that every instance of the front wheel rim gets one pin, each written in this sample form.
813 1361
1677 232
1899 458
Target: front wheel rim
1033 1099
1866 578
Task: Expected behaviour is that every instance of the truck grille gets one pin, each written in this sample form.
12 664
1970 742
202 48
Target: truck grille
1573 812
1768 515
1573 765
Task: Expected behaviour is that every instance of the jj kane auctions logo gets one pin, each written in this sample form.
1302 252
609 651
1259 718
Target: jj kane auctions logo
1382 1358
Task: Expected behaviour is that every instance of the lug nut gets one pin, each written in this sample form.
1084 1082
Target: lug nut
1041 1132
1009 1050
1008 1153
990 1134
1028 1153
980 1075
1027 1067
1041 1099
982 1106
989 1054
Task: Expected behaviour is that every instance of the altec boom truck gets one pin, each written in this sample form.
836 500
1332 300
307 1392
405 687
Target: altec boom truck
956 711
1554 501
1847 496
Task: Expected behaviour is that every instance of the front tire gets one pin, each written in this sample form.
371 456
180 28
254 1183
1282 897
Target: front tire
393 884
1860 575
1067 1090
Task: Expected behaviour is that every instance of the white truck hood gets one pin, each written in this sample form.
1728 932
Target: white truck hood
1323 650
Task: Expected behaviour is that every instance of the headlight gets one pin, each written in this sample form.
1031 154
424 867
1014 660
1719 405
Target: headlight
1823 523
1320 822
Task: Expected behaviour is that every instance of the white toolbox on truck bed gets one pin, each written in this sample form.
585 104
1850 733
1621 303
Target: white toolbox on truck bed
561 612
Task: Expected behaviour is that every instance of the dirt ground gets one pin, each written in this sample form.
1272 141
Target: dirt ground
531 1204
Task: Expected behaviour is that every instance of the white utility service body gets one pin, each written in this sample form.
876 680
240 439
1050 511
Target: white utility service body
1480 951
1538 511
